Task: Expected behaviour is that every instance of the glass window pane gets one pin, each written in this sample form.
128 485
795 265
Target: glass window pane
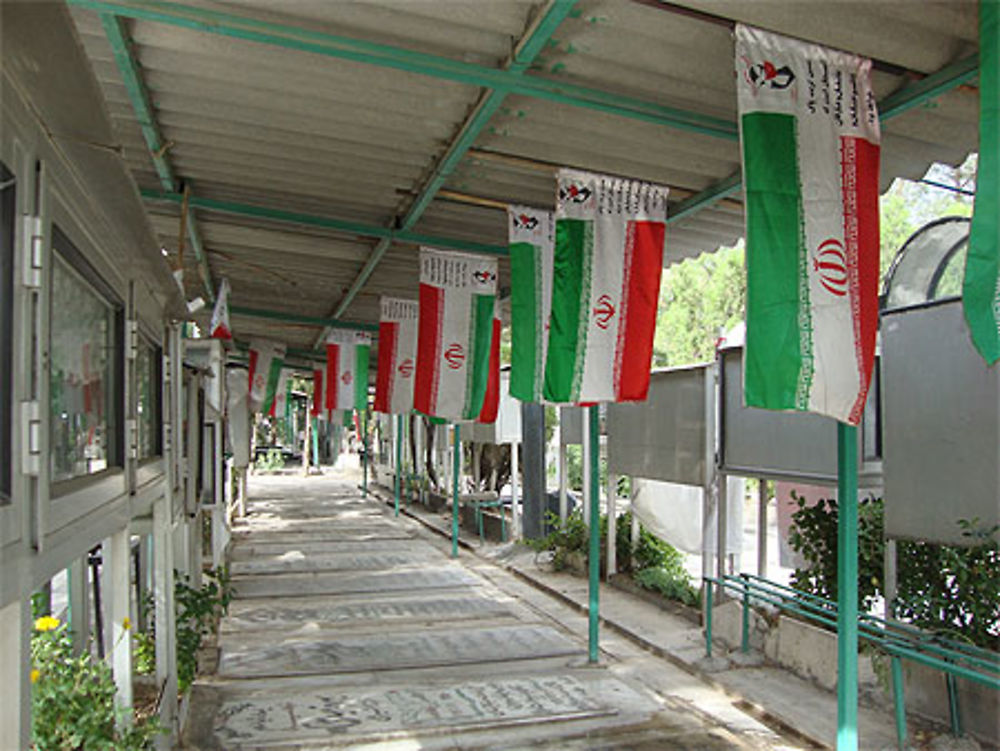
7 210
148 399
82 389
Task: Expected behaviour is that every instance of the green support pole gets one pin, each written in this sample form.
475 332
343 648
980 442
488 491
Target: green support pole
456 465
847 588
899 704
364 454
708 618
315 441
399 457
594 556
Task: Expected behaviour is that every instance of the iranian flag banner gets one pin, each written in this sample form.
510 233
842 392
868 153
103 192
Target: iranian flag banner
491 400
455 329
609 237
810 136
397 355
318 404
279 405
981 288
531 239
220 314
347 370
266 359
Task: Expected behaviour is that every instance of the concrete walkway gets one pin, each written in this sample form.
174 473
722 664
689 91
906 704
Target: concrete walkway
353 629
775 696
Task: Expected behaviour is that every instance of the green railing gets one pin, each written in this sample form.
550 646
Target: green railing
900 641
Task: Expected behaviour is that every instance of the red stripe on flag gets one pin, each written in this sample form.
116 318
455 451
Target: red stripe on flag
641 290
859 165
431 316
253 368
332 374
388 334
491 400
317 402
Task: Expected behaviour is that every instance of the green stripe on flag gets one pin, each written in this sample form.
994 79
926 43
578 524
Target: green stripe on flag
526 327
361 353
570 294
778 362
981 288
477 372
273 378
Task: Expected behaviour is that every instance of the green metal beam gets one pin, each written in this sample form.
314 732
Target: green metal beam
135 86
275 315
312 220
913 95
532 43
310 355
928 88
331 45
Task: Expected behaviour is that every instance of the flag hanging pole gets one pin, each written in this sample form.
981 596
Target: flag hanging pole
399 457
847 587
456 450
594 556
364 453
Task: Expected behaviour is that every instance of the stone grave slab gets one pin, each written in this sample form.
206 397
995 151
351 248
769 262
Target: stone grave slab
443 576
379 651
297 614
326 533
345 715
253 546
296 561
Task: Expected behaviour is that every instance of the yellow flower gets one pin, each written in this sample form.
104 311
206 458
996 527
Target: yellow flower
35 675
127 623
46 623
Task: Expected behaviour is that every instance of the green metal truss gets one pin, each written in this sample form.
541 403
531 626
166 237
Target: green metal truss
128 66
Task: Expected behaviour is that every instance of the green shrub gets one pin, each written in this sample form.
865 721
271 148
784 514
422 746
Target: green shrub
73 698
672 584
198 612
950 590
272 461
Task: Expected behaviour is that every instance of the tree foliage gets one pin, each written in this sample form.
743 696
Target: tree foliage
700 298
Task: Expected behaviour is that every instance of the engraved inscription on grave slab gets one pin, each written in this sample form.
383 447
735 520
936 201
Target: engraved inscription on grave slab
307 614
358 712
286 585
393 651
293 561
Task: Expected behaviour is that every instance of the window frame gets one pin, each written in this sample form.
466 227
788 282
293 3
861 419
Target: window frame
65 250
156 353
8 238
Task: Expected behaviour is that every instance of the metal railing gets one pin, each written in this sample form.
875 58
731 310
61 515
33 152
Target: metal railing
900 641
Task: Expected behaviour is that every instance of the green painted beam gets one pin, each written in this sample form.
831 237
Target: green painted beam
312 220
913 95
331 45
138 94
135 87
529 47
305 354
928 88
275 315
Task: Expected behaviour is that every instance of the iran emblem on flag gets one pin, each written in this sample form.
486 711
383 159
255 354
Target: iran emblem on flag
609 238
810 136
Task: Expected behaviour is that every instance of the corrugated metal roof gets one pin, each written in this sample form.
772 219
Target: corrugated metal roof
265 125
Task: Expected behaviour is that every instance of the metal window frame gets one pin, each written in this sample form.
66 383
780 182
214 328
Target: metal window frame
8 221
68 253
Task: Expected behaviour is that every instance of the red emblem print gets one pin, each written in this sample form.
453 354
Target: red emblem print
830 262
455 356
604 311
